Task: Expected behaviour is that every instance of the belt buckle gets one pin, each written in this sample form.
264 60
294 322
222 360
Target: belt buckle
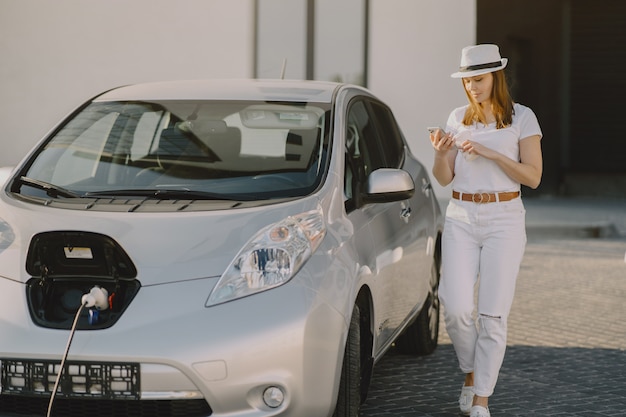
484 198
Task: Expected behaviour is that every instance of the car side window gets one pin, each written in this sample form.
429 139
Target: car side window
390 135
363 153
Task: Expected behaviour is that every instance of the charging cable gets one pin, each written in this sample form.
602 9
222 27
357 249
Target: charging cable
97 297
67 349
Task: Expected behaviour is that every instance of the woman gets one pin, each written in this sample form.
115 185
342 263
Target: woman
491 147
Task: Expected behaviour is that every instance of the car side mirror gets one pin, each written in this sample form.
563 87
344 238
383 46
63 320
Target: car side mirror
385 185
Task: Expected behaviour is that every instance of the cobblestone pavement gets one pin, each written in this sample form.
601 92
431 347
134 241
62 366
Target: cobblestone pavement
566 351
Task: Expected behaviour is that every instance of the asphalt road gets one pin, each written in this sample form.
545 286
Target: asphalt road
566 352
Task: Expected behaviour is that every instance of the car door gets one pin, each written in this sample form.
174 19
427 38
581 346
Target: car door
418 212
372 143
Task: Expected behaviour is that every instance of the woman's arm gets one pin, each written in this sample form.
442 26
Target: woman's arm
445 154
527 171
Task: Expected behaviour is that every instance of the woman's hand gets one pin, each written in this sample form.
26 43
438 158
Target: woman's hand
443 167
475 148
441 141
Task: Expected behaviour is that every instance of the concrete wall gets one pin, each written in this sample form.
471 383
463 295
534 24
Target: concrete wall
414 47
57 54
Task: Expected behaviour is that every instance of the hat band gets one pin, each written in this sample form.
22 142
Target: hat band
480 66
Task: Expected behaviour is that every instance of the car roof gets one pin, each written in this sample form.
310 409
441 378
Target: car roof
226 89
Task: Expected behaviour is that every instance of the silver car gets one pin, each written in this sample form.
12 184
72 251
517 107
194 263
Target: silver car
214 248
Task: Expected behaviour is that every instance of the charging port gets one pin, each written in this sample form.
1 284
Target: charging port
65 266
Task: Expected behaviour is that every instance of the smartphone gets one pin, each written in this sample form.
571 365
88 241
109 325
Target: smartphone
433 130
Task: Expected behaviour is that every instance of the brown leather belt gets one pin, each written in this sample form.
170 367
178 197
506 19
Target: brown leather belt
481 198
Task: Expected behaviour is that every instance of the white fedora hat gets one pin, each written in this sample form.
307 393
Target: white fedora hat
480 59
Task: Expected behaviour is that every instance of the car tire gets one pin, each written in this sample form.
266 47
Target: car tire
349 397
421 336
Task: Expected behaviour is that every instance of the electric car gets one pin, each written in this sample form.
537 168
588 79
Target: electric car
214 248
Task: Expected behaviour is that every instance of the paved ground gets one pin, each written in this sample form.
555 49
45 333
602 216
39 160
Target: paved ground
567 329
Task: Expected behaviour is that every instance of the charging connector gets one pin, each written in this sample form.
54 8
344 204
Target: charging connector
98 297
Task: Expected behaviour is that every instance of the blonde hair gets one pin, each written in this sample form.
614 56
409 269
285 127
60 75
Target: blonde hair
501 104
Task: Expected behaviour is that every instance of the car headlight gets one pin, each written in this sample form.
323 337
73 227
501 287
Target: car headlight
271 258
6 235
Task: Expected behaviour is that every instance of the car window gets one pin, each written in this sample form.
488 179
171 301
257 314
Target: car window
367 144
254 150
364 152
80 152
373 140
148 124
389 132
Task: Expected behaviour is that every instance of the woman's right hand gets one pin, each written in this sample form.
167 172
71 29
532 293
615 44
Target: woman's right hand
441 141
443 167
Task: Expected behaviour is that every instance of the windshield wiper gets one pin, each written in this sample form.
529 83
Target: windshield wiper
51 190
181 194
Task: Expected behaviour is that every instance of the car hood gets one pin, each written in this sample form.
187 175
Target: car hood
164 247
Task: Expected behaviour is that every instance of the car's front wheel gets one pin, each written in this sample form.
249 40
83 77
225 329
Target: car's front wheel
422 336
349 398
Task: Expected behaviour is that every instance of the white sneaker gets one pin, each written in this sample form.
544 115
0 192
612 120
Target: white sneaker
465 400
480 411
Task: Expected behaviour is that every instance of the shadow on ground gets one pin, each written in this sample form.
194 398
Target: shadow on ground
534 381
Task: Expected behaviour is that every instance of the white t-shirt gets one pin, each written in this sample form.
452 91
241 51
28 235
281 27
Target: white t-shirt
481 174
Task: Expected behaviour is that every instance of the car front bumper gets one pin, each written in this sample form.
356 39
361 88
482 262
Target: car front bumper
227 354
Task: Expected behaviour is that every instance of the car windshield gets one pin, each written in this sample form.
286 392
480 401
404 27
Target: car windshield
208 149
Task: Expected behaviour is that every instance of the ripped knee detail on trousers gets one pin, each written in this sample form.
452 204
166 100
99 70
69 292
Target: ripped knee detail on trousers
494 326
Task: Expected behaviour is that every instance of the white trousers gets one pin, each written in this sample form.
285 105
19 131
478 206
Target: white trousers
486 241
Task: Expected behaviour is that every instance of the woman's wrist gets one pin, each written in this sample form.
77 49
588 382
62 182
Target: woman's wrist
442 154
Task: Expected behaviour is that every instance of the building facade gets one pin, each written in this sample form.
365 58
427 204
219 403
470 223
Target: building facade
565 63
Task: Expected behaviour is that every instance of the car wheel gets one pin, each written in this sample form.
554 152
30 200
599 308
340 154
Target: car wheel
349 397
422 336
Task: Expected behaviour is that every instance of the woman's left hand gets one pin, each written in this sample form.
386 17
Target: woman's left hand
476 148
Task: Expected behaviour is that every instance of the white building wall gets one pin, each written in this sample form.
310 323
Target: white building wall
57 54
54 55
414 47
